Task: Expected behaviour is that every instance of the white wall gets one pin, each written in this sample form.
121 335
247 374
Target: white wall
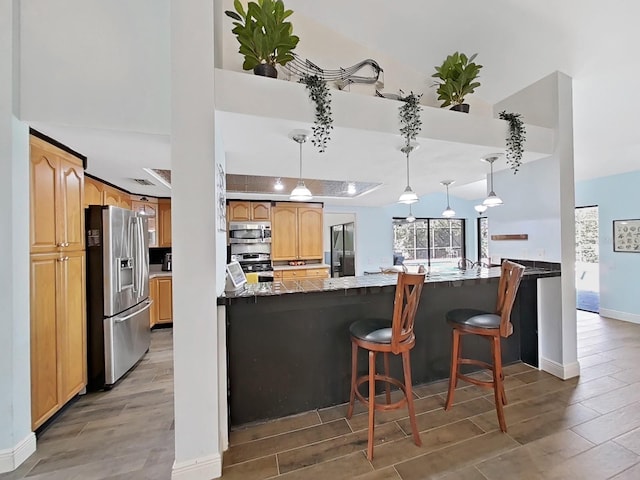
539 201
198 347
96 64
16 440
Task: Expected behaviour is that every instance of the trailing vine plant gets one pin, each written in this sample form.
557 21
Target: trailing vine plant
319 94
410 121
515 140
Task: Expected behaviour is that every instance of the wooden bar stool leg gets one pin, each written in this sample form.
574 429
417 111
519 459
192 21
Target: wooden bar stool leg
504 395
406 366
453 376
354 372
497 381
372 402
386 372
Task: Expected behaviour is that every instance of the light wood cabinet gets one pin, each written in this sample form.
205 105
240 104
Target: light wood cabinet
56 198
296 232
161 292
164 222
58 335
301 274
99 193
241 210
57 279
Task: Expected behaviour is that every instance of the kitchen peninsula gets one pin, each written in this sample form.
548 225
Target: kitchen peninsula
288 343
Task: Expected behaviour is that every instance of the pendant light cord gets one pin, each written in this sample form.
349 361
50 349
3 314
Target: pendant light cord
448 196
408 151
491 176
300 160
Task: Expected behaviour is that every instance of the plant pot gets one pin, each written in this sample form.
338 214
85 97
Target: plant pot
463 107
265 70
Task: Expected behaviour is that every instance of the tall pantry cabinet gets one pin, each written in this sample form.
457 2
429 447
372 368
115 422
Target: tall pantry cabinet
57 293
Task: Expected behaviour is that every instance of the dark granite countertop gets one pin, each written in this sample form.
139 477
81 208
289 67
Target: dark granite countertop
449 278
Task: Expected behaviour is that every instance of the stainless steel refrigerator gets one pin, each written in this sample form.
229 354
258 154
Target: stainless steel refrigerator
343 255
118 333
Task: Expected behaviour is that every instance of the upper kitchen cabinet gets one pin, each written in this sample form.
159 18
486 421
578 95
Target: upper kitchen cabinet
99 193
148 206
249 211
163 224
57 199
296 231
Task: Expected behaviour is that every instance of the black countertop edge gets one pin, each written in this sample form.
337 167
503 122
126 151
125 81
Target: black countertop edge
370 284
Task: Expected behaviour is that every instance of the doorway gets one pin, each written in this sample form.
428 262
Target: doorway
587 259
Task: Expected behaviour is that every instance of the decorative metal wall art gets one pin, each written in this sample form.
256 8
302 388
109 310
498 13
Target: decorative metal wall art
340 76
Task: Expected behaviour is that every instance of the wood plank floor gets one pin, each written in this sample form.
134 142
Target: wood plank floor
586 428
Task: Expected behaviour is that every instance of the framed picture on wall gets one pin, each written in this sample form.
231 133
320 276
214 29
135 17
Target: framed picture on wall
626 236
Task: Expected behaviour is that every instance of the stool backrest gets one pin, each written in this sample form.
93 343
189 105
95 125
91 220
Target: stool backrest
405 305
507 288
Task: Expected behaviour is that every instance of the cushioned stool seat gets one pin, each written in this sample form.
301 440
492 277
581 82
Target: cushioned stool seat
387 336
492 326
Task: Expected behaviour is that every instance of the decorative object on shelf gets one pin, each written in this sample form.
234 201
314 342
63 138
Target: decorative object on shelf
515 140
323 124
626 236
222 201
410 218
278 185
492 199
410 126
448 212
265 38
480 208
457 76
300 193
341 76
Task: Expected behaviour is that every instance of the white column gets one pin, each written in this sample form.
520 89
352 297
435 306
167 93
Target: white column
17 441
193 166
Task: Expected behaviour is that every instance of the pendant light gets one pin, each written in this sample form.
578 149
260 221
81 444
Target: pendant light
408 196
410 218
301 193
448 212
492 199
480 208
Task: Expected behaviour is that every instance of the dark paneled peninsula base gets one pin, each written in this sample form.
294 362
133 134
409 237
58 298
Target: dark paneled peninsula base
291 353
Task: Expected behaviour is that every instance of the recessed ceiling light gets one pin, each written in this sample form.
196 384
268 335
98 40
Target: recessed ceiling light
351 188
278 185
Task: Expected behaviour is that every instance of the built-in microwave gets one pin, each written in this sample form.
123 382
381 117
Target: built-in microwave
249 232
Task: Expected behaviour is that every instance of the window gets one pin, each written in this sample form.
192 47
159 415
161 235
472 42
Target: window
483 240
430 241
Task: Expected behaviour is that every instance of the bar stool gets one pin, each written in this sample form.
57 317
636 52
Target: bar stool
387 336
492 326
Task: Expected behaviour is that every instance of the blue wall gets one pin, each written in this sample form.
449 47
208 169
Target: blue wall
617 197
374 233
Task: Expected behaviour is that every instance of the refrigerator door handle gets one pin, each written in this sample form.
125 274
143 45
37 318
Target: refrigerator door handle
127 317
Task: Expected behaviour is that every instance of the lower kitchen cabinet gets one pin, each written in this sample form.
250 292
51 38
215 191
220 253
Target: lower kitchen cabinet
161 292
58 332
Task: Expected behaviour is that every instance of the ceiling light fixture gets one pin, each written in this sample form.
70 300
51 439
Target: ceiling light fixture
278 185
408 196
492 199
351 188
301 193
480 208
410 218
448 212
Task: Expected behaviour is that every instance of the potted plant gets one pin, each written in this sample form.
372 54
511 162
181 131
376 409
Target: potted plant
320 95
515 139
265 37
457 76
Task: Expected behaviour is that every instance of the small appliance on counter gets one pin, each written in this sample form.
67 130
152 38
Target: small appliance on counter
167 263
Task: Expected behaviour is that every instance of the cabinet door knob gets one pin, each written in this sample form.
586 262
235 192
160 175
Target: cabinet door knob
60 244
66 244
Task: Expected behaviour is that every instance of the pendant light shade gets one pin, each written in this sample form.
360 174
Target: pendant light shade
492 199
408 196
301 193
480 208
448 212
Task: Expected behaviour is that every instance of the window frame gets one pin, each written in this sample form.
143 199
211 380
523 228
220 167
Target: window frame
428 220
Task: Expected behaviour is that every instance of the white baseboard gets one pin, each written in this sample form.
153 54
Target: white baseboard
12 458
627 317
561 371
204 468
